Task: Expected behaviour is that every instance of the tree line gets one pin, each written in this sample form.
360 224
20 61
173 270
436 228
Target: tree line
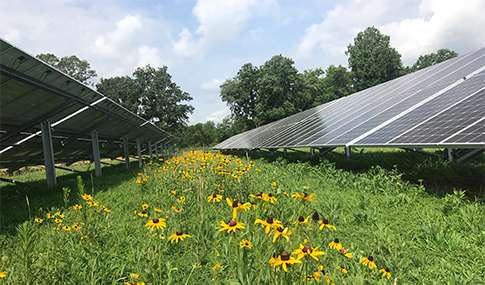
255 95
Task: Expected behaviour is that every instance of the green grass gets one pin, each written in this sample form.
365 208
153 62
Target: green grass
412 213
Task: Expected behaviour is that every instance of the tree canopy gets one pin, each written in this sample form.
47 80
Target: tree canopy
372 60
257 96
71 65
151 94
433 58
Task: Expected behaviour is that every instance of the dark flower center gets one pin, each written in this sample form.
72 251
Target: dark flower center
387 270
342 267
260 194
235 204
285 256
370 258
214 196
307 249
270 195
155 221
269 220
143 212
301 219
325 221
336 241
342 250
232 223
179 233
315 217
304 195
280 229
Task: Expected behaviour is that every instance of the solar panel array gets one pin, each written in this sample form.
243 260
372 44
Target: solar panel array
439 106
32 92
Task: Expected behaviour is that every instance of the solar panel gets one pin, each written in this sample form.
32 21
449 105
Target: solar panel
383 115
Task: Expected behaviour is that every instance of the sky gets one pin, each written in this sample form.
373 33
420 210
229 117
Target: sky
205 42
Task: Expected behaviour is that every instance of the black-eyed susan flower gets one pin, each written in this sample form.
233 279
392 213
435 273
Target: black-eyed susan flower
39 220
270 223
142 214
301 220
158 210
345 252
172 192
142 283
181 199
77 207
283 232
306 250
105 209
259 196
55 228
179 235
50 216
214 198
92 203
303 196
58 221
284 260
270 198
178 210
246 244
342 269
273 184
134 276
386 272
66 228
76 227
335 244
144 206
236 205
368 261
60 214
156 223
232 226
3 274
324 223
87 197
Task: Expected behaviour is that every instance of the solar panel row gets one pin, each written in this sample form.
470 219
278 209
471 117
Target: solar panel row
438 106
32 92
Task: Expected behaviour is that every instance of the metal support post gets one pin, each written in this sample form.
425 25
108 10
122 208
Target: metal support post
347 151
126 149
138 149
156 152
284 151
96 155
50 170
150 152
312 151
449 152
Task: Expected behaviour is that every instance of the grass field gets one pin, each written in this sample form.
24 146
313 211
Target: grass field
421 219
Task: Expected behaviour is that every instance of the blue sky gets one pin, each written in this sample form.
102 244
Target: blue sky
205 42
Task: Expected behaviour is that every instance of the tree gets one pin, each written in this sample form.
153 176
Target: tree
240 94
151 94
278 89
433 58
372 60
122 90
71 65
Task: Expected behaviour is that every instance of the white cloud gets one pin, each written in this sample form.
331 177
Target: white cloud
213 84
415 27
114 43
440 24
220 22
217 116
